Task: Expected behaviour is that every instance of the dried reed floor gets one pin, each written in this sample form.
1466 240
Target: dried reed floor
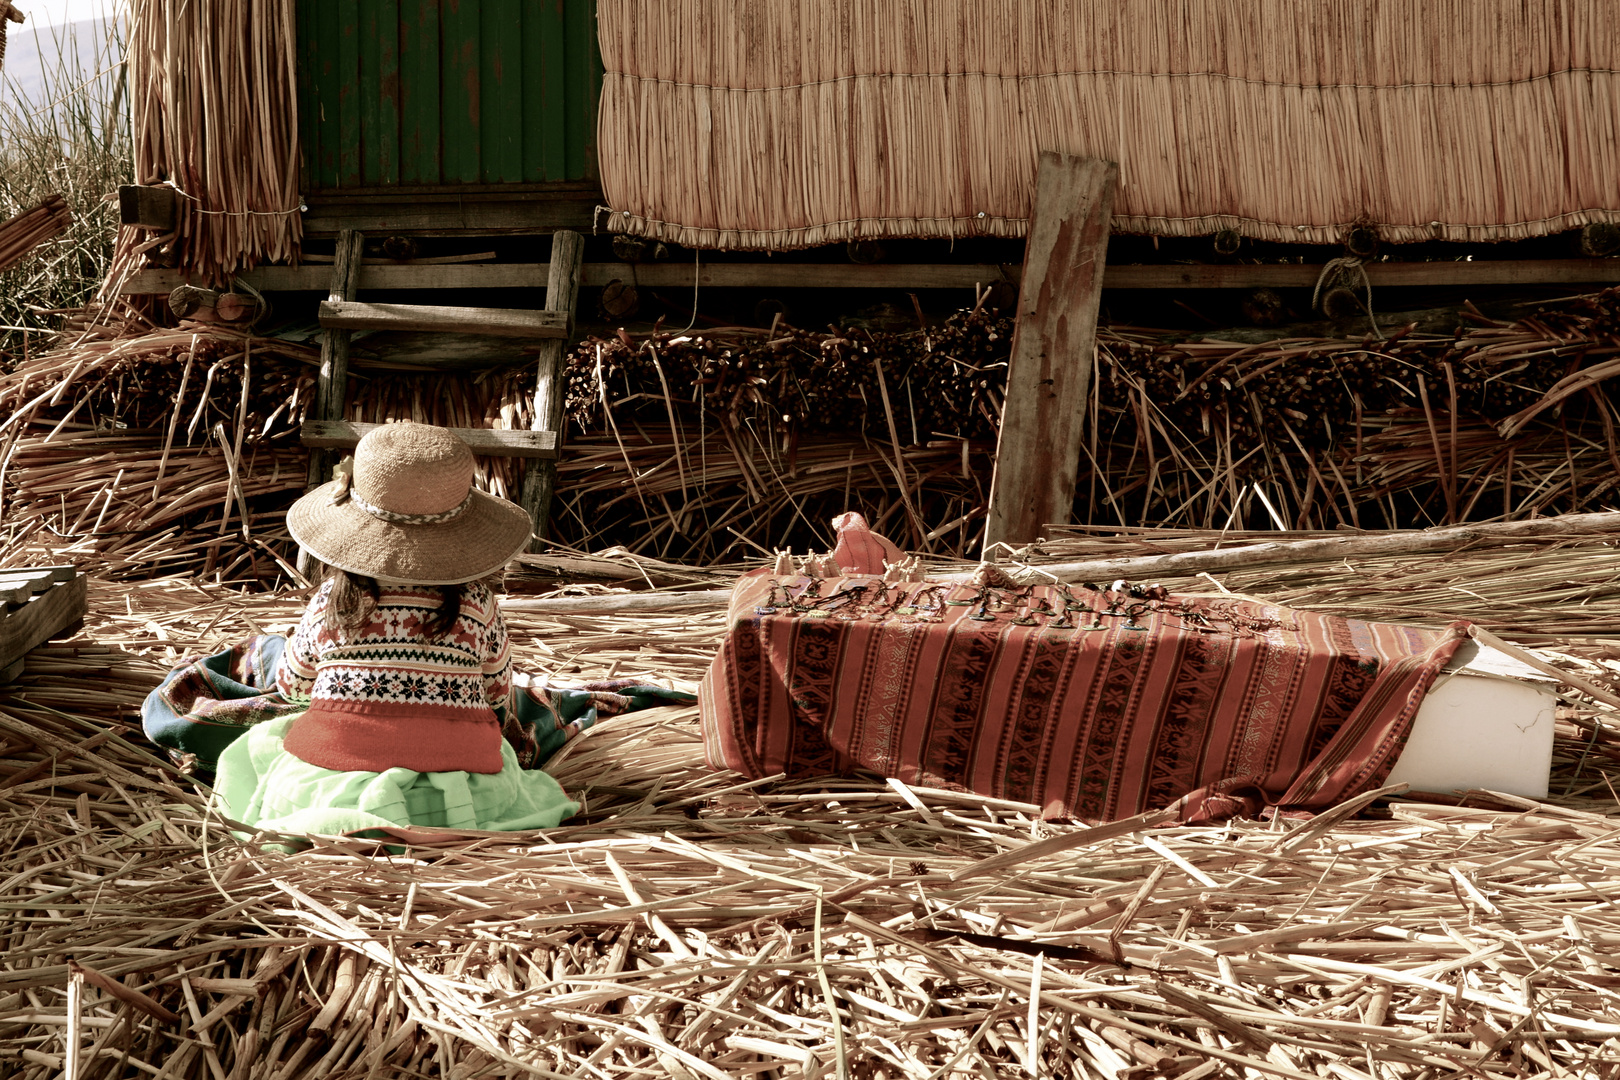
691 924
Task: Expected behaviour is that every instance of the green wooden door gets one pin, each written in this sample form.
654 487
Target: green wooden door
396 93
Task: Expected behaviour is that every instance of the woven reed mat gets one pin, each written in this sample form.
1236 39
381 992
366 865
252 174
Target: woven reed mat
691 923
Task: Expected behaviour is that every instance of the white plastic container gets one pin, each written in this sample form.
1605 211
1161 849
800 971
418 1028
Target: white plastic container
1486 723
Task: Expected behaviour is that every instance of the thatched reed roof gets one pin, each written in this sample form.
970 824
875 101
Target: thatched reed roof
749 124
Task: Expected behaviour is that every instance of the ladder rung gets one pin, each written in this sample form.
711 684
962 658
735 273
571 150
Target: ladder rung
500 322
343 435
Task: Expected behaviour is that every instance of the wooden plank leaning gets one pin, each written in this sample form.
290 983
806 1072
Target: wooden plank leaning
1049 371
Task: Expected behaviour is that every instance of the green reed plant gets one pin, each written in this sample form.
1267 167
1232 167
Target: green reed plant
68 134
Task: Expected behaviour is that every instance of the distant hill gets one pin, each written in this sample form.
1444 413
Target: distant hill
37 61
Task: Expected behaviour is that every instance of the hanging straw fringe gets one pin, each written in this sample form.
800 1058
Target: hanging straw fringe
214 102
741 124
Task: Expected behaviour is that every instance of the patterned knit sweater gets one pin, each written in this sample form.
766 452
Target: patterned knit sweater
383 696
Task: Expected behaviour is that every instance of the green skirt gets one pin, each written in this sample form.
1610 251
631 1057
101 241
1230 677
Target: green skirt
260 784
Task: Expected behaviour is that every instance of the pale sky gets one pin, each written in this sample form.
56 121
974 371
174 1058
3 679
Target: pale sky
54 12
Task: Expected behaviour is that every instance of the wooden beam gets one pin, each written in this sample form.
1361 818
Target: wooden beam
789 275
409 260
1382 275
783 274
562 292
780 274
495 322
595 275
1049 370
465 210
344 435
264 278
147 206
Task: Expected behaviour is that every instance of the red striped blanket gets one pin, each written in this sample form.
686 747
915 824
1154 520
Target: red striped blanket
1092 703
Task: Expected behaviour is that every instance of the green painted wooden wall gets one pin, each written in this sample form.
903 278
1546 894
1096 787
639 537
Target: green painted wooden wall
446 92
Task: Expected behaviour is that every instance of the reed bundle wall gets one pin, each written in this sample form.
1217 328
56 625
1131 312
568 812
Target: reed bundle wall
775 125
177 450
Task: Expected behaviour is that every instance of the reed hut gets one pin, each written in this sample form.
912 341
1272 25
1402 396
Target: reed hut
746 125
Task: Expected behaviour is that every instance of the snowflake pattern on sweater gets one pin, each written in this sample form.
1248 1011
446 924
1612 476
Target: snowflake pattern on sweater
389 661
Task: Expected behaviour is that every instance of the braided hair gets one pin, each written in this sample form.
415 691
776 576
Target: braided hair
354 598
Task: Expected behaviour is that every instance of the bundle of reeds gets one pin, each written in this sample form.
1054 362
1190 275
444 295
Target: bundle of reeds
1558 586
690 923
708 447
213 95
21 234
703 495
161 451
498 398
1401 432
178 449
731 124
944 380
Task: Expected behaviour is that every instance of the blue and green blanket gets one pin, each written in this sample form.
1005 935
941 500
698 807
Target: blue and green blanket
206 705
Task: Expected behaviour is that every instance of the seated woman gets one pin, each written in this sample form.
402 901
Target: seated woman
401 659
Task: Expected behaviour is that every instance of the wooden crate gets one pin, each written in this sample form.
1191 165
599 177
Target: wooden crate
40 601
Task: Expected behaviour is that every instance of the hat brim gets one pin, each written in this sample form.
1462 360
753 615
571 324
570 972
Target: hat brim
474 544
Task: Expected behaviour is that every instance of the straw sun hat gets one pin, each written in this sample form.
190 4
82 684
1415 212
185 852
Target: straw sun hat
408 512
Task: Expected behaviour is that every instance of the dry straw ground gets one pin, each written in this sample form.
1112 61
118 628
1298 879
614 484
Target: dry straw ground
692 924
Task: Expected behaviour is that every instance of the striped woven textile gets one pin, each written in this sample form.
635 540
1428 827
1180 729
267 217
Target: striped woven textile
777 124
1090 703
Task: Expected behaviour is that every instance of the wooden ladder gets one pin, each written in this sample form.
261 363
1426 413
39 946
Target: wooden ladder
327 432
